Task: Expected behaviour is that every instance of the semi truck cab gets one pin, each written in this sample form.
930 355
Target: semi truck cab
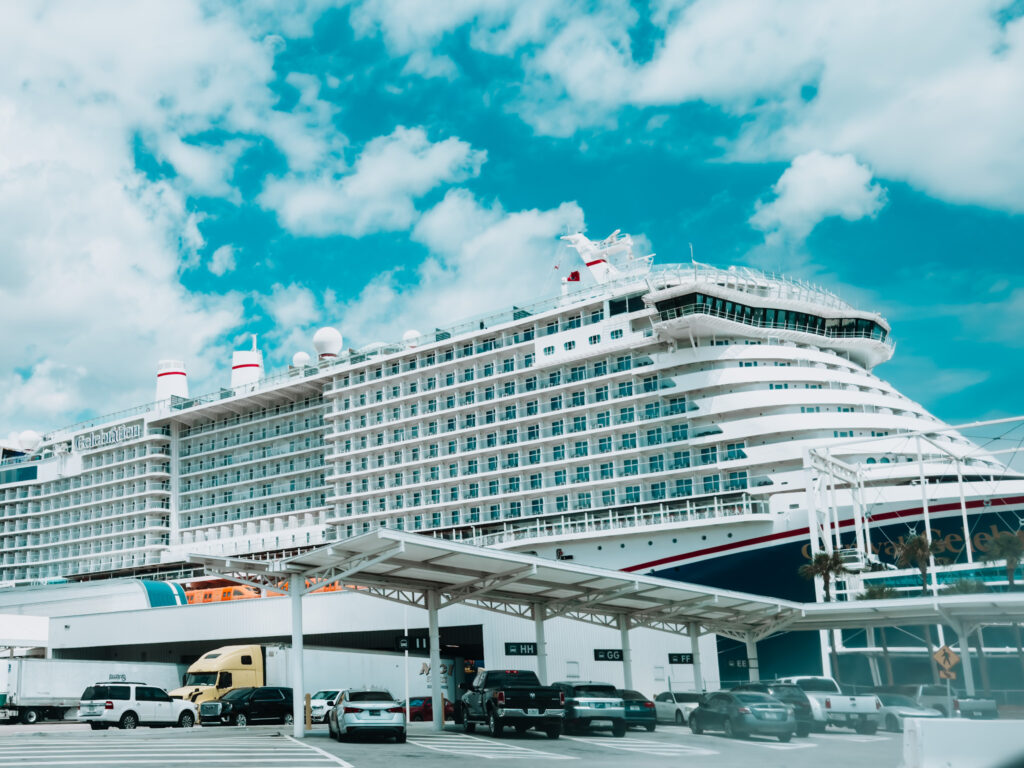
221 670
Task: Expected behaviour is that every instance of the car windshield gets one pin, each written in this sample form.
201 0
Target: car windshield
321 695
369 696
201 678
115 692
754 698
238 693
595 690
895 700
687 698
817 684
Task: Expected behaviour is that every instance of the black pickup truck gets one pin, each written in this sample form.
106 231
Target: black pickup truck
511 698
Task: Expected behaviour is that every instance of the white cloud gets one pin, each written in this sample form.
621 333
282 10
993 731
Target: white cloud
379 193
223 260
91 295
815 187
483 258
928 92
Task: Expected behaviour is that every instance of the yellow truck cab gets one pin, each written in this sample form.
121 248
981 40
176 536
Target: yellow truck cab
221 670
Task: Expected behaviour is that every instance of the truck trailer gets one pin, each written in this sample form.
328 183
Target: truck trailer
37 689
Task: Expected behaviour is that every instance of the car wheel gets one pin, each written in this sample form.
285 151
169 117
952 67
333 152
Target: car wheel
521 729
129 721
495 725
785 737
553 731
680 720
892 723
99 726
470 726
187 720
400 738
866 728
803 731
330 730
241 720
417 719
650 727
695 727
289 719
730 732
619 728
30 716
942 710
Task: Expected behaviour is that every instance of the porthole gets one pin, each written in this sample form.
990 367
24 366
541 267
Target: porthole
703 538
728 535
599 547
622 546
650 543
673 541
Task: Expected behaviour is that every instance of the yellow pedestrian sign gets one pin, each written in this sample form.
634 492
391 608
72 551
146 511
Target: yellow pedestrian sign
947 674
945 658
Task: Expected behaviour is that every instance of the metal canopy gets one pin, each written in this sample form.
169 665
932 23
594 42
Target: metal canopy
403 567
964 610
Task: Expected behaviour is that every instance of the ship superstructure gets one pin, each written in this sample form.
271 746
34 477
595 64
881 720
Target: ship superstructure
651 418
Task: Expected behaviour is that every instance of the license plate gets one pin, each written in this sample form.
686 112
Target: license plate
533 711
374 713
599 705
774 715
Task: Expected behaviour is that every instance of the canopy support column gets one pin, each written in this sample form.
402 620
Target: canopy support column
752 662
436 694
698 675
539 614
964 636
296 586
627 653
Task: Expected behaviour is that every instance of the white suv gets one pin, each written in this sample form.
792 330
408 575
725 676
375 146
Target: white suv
129 705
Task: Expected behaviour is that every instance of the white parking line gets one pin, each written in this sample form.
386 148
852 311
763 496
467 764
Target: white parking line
255 752
646 747
802 744
464 744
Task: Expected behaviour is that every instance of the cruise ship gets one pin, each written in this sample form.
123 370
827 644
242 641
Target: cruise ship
680 420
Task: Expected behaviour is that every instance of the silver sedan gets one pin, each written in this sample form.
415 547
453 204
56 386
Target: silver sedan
896 708
360 711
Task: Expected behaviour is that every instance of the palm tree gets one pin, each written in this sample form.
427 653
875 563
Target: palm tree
826 565
880 592
916 550
965 587
1009 547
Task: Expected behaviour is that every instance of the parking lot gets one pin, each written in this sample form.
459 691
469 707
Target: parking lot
67 744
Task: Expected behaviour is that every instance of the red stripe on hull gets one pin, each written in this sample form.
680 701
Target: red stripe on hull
170 373
805 531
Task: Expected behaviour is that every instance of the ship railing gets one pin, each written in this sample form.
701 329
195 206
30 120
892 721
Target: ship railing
611 520
874 334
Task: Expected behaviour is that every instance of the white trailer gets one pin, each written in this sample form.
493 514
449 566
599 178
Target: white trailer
340 669
36 689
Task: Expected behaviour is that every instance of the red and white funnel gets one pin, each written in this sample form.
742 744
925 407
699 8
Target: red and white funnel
246 366
171 379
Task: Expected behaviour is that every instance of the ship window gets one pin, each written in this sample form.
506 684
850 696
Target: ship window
549 350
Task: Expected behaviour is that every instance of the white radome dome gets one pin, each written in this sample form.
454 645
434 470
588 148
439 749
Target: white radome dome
410 337
29 440
300 359
327 342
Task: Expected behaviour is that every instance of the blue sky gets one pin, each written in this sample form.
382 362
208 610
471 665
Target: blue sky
175 175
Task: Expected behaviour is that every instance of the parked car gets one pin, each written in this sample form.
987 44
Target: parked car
950 703
896 707
744 714
360 711
803 706
421 709
592 704
321 702
129 705
834 707
639 710
675 707
249 706
511 698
